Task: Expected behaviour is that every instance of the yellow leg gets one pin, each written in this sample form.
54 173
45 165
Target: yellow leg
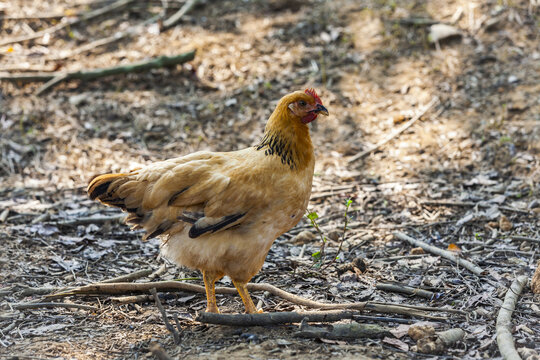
246 299
210 279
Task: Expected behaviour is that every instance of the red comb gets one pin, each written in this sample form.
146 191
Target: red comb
314 94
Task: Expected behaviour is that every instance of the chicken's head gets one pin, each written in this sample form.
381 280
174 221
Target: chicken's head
306 105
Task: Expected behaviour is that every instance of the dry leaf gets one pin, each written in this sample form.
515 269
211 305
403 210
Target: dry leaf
454 247
504 223
493 224
417 251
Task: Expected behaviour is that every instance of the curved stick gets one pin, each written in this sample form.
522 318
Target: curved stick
122 288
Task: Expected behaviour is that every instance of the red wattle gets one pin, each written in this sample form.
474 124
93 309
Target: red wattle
309 118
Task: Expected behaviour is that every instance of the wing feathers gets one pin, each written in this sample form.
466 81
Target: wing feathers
167 196
175 196
206 224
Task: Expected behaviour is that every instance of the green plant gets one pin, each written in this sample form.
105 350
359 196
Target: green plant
348 204
319 255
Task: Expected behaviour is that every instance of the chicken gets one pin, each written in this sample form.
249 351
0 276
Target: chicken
220 212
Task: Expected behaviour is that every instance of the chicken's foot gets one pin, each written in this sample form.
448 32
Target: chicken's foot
210 279
246 299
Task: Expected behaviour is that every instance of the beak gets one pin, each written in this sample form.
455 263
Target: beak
320 110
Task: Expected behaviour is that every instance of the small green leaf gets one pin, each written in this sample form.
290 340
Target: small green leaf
312 216
316 255
348 203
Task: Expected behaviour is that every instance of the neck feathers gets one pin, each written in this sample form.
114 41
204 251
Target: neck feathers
287 138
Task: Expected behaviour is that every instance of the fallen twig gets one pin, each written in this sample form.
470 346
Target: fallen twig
4 215
22 67
471 204
131 299
351 330
69 22
122 288
383 319
56 77
331 192
393 135
162 270
41 290
129 277
525 238
178 15
21 306
172 330
275 318
504 320
409 290
444 253
33 17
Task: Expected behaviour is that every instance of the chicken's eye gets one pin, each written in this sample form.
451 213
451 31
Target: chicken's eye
302 103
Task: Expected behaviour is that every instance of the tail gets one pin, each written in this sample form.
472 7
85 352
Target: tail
124 191
103 188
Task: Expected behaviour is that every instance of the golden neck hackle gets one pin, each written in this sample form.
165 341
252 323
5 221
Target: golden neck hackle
287 137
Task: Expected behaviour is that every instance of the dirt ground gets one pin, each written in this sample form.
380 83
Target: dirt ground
466 176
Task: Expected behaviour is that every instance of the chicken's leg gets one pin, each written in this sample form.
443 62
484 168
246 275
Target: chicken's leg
210 279
246 299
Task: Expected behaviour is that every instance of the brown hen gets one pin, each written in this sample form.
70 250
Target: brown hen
220 212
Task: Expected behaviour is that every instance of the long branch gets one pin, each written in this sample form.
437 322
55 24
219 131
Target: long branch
157 62
275 318
123 288
154 63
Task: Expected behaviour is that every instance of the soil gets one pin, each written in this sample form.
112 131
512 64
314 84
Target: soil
465 176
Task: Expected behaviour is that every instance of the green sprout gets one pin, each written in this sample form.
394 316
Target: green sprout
319 255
